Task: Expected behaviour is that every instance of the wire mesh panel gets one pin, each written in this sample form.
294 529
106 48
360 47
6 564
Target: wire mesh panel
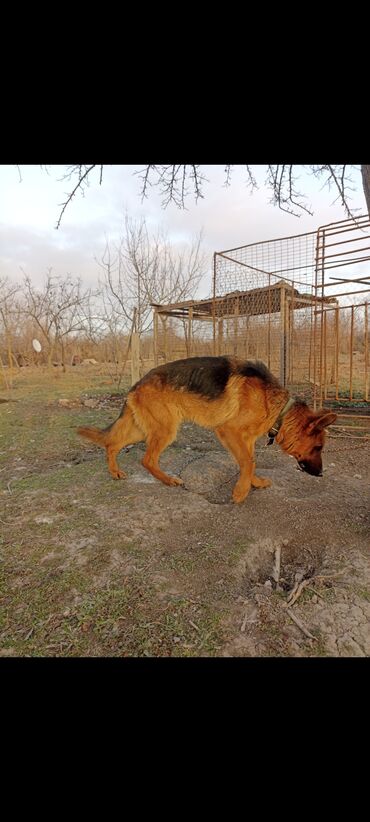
270 289
295 302
299 304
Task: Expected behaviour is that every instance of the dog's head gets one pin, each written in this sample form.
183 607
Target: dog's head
302 435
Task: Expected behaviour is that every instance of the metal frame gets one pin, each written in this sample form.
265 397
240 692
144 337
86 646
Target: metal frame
280 292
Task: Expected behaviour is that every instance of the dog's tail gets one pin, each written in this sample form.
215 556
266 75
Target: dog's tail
97 435
123 431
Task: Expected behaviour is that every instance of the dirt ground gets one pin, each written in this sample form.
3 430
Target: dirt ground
94 567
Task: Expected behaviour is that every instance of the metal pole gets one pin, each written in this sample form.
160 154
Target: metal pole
366 357
337 353
351 352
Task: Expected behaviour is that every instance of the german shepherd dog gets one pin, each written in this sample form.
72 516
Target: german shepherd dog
238 400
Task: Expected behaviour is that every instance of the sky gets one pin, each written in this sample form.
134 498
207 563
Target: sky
229 217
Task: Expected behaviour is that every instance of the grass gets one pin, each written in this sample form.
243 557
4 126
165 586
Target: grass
62 594
92 567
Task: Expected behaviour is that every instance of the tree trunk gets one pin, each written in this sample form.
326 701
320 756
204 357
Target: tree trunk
365 170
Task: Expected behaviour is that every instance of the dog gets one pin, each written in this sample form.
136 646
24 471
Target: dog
239 401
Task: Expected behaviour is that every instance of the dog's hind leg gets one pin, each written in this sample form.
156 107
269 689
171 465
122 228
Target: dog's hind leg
158 438
124 431
160 421
157 441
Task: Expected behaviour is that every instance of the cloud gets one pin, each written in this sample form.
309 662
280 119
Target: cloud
230 217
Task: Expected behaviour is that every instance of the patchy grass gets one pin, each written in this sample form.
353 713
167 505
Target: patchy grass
92 567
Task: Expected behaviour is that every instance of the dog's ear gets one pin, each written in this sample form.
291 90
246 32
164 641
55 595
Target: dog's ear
321 420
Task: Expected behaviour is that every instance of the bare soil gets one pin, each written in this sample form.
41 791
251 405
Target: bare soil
94 567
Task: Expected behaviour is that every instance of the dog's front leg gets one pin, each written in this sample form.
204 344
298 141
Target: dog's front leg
236 441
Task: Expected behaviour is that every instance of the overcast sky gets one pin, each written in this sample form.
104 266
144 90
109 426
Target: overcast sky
228 216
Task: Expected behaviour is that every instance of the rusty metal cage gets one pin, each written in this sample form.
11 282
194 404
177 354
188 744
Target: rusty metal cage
297 303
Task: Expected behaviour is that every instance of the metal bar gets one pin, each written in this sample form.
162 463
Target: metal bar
347 399
352 227
366 355
352 240
322 317
315 327
290 313
310 345
282 337
265 242
269 328
354 427
355 260
325 357
342 280
246 265
343 307
214 304
351 352
236 328
344 253
346 220
349 294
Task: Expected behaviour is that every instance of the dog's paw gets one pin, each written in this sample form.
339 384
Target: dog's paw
260 482
118 475
239 494
176 481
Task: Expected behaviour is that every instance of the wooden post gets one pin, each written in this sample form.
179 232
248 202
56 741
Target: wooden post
165 339
135 358
155 336
3 373
190 331
220 336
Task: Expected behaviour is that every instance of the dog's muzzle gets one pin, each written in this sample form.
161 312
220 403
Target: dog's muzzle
309 469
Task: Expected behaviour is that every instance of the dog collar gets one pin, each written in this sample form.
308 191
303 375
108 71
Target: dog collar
276 427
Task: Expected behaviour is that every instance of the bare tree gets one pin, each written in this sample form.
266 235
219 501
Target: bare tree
141 270
8 310
177 182
56 309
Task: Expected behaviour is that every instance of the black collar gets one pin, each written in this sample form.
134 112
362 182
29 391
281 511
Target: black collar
277 425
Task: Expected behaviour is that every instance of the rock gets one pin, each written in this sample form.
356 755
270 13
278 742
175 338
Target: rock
68 403
90 403
210 473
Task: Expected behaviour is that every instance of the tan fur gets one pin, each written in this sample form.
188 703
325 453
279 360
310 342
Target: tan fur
246 409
